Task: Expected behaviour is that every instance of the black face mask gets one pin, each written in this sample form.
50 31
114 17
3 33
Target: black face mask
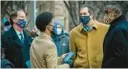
51 30
52 33
85 19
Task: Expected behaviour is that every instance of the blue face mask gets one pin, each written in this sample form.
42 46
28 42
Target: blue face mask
55 29
85 19
21 23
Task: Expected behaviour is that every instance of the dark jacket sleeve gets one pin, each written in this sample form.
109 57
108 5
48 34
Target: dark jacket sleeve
118 51
121 41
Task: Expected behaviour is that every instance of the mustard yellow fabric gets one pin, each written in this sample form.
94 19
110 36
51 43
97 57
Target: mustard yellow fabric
88 46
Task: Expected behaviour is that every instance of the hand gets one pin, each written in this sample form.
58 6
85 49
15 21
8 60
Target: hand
62 57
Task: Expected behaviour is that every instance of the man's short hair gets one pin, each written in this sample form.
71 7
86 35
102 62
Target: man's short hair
43 20
90 9
14 15
114 7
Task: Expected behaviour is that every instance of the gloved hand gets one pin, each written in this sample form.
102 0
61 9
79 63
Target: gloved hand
68 59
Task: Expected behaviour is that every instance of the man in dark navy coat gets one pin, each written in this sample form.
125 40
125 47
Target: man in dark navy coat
115 45
16 42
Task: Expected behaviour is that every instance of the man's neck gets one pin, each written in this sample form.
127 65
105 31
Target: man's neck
48 33
17 28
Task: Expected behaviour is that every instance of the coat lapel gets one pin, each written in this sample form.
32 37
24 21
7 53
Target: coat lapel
25 38
15 38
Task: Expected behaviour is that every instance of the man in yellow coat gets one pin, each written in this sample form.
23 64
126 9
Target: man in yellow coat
86 40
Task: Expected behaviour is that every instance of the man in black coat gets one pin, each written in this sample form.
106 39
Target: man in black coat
115 45
16 41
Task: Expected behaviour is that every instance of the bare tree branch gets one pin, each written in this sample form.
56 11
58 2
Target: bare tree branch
70 11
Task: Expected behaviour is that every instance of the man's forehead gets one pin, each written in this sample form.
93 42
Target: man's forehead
109 10
21 12
84 8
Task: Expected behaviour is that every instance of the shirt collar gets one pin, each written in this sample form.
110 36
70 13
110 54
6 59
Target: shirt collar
18 32
94 26
117 20
44 35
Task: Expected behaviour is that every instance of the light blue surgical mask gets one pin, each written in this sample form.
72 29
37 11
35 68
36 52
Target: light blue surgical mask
59 31
56 30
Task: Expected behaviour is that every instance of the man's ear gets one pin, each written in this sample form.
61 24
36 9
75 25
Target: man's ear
14 19
92 17
48 27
